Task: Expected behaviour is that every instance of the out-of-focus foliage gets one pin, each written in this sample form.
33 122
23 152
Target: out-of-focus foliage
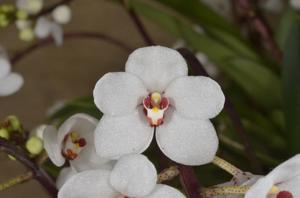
291 73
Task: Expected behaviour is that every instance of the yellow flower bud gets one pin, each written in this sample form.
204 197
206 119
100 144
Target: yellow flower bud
34 145
4 133
22 15
26 34
14 123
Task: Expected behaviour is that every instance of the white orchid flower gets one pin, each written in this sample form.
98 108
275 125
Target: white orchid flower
74 141
10 82
44 28
133 176
155 94
282 182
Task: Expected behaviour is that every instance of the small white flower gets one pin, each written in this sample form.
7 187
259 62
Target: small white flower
282 182
45 28
133 176
30 6
10 82
74 141
62 14
156 93
295 4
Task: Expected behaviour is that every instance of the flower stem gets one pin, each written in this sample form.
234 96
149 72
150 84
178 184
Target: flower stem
189 181
42 158
251 15
70 35
138 23
17 180
225 190
228 167
39 174
167 174
198 68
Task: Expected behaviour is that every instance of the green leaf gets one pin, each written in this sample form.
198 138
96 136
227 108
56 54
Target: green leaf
215 25
201 14
80 105
258 81
291 87
285 24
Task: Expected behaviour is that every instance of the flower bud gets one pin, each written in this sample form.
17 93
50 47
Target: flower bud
62 14
26 34
34 145
12 123
21 15
4 133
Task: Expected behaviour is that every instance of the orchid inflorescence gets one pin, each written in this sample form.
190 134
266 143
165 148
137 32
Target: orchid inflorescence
30 25
153 96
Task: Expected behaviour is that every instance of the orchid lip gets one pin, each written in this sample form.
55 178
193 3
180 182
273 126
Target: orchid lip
73 144
155 106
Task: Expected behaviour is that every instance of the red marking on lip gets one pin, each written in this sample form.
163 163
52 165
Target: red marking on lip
81 142
70 154
284 194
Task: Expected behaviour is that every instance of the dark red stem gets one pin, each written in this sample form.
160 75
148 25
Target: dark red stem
229 108
189 181
140 27
247 12
39 174
70 35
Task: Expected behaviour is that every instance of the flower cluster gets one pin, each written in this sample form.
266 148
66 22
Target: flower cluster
153 95
24 15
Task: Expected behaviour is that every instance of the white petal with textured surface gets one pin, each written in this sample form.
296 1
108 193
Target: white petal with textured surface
117 136
119 93
189 142
196 96
133 175
52 146
88 184
157 66
10 84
